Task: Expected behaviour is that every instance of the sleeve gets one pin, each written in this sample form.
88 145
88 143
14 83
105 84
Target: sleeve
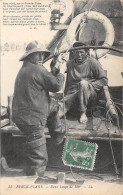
99 75
54 70
50 82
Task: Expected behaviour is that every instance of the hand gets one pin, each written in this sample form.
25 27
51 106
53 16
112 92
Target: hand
59 68
58 62
63 68
85 83
56 53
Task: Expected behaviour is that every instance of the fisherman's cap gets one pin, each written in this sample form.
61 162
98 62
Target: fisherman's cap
78 44
34 47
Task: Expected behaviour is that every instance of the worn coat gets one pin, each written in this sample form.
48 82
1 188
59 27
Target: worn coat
31 94
89 70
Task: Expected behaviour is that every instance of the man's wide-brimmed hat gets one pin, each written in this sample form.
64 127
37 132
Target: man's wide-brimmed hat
34 47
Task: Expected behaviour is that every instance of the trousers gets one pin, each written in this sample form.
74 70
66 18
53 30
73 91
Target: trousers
79 96
34 147
86 93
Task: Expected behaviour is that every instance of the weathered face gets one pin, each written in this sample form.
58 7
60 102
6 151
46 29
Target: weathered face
37 57
80 55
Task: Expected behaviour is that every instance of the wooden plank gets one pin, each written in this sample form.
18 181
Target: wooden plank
94 129
72 133
80 136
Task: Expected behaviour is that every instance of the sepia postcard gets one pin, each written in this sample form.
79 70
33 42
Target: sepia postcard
61 64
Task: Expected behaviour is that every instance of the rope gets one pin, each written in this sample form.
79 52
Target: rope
118 103
65 120
107 126
118 124
91 5
117 117
84 21
117 99
119 110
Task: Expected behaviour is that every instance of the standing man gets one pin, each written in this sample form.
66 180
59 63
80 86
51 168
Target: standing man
31 108
85 78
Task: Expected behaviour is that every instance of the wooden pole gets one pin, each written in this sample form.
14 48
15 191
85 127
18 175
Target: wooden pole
10 98
84 47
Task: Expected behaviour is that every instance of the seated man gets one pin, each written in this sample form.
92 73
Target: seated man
85 78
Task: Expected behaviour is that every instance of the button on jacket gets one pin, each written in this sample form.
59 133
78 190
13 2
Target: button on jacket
31 95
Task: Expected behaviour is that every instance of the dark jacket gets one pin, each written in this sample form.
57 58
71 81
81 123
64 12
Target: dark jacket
31 94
